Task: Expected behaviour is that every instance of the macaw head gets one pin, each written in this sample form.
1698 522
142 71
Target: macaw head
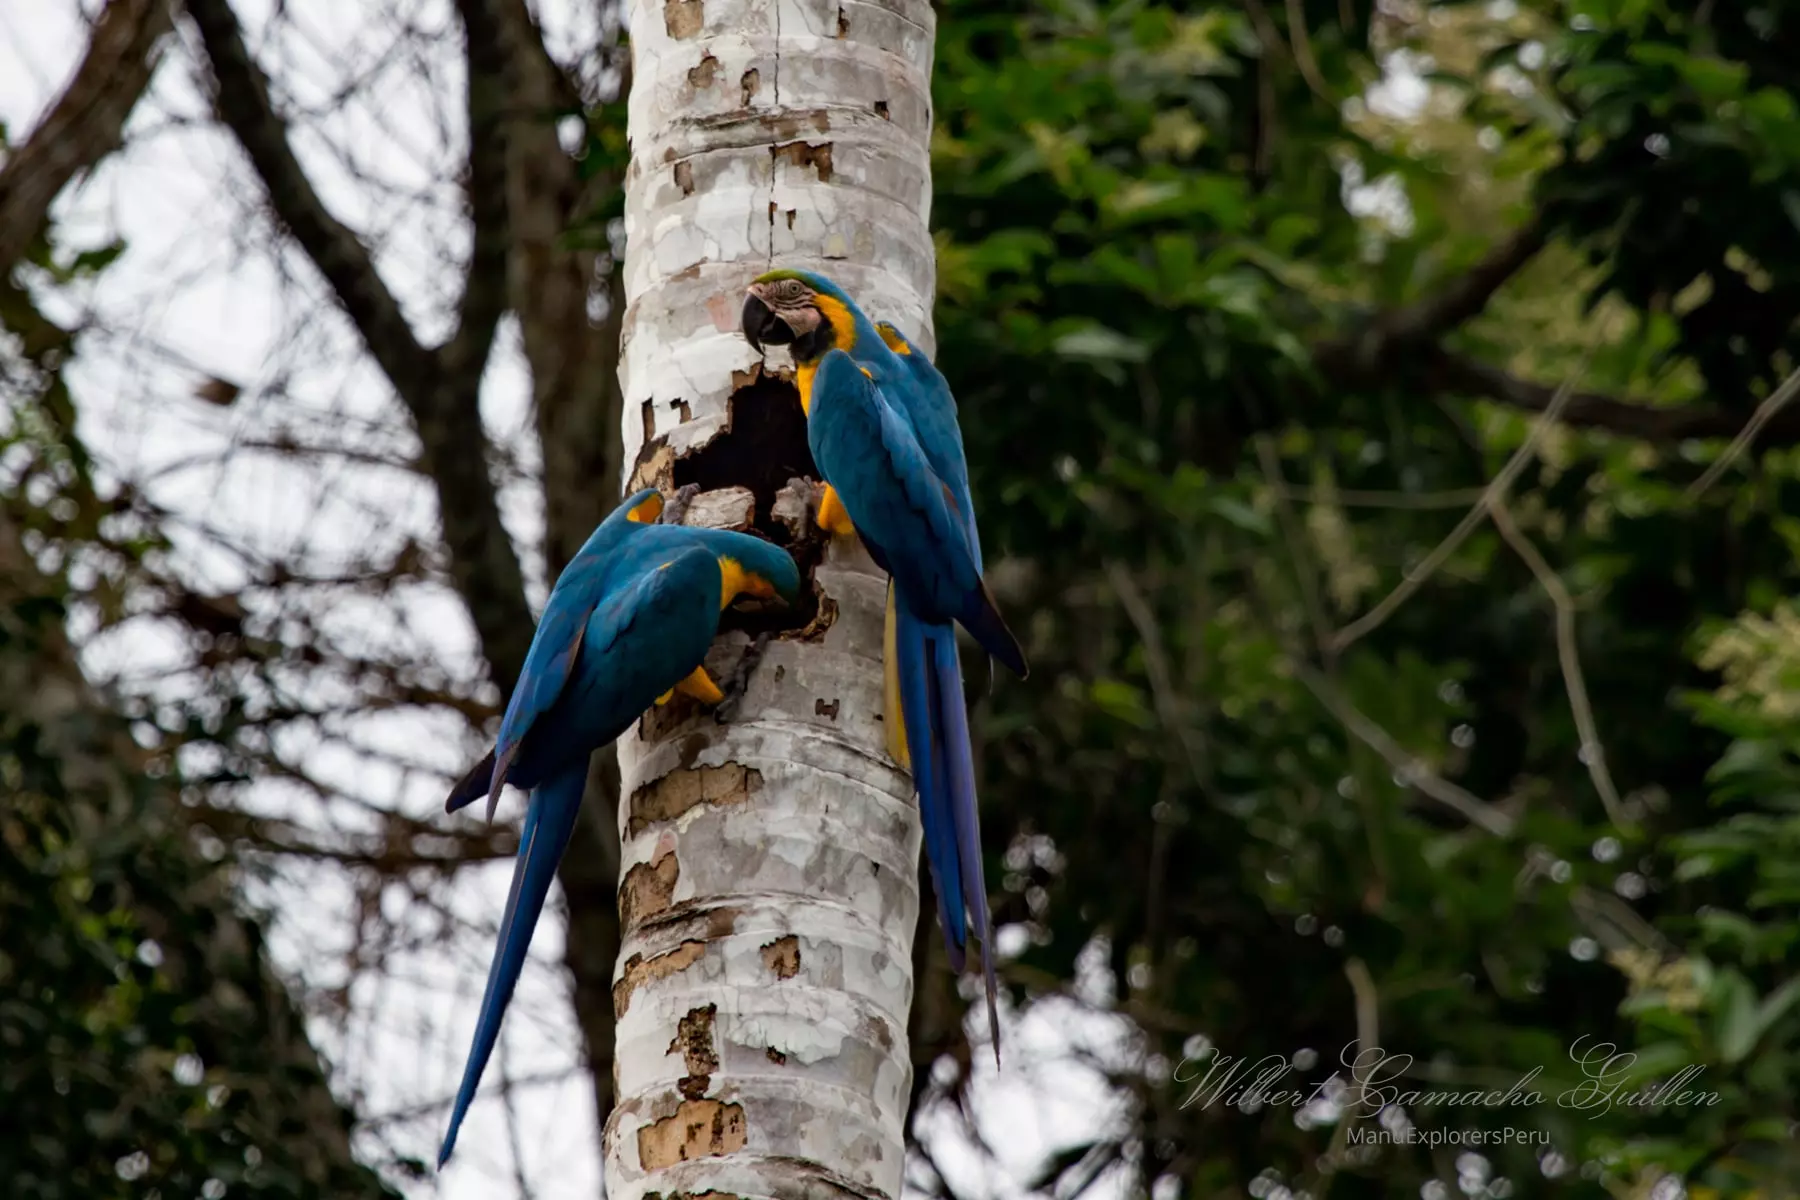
799 309
749 566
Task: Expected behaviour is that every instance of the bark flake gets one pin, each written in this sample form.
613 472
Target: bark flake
640 970
699 1129
683 18
782 957
806 154
679 791
648 888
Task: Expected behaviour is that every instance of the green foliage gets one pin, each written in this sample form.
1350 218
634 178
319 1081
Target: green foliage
98 1038
142 1037
1150 219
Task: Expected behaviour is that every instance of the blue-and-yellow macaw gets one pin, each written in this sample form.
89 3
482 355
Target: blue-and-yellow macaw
626 626
883 431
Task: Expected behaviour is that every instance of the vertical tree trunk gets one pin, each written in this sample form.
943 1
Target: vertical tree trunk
770 860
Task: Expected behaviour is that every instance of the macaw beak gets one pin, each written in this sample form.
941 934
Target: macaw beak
762 327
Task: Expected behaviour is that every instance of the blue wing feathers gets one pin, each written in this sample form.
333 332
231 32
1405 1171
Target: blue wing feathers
639 644
554 647
871 456
981 617
554 651
473 786
932 407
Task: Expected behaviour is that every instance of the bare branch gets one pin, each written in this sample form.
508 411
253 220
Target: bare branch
1589 410
1415 578
1303 54
1157 665
514 1141
484 288
1593 753
574 360
431 1108
85 124
1304 575
1415 773
1466 296
1765 412
576 402
1409 337
1368 1037
404 845
242 98
1377 348
1354 498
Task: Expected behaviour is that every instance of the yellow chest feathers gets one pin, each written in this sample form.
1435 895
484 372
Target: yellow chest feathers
803 379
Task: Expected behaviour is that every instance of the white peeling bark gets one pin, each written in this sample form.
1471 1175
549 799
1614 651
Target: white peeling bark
769 879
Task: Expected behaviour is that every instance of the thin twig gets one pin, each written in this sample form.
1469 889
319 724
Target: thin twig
1415 579
1413 772
1303 55
1266 33
1368 1009
1765 412
1615 924
1157 666
1593 753
427 1108
1270 462
1368 1034
1353 498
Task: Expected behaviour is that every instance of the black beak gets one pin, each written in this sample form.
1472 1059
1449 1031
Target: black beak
762 327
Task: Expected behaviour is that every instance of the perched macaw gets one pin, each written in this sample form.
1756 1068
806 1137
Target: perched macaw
883 431
626 626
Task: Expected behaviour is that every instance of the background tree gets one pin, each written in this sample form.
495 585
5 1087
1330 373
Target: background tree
1366 701
145 1032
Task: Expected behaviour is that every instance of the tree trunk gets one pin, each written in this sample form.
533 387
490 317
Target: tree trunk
769 860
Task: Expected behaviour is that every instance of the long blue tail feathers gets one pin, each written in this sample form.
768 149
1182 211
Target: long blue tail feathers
549 821
944 775
924 748
960 766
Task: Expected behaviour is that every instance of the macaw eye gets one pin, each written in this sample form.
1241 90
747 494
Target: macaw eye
790 289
